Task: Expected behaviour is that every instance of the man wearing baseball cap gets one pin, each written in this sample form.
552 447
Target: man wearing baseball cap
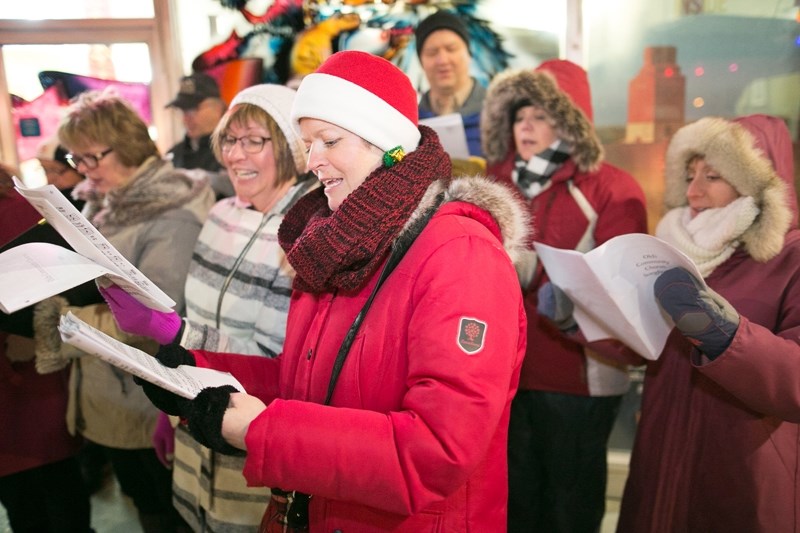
201 105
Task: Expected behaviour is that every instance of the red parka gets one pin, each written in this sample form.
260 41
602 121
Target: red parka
614 205
415 436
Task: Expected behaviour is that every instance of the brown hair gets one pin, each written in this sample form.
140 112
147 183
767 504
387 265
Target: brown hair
96 117
241 115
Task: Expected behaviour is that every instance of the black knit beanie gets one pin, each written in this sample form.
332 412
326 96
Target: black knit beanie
441 20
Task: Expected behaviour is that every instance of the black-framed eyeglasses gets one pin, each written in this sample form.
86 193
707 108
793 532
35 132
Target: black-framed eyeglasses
252 144
90 161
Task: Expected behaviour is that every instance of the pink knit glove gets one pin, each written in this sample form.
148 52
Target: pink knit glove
164 440
136 318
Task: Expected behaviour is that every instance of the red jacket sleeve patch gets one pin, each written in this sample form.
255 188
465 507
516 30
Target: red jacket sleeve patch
471 335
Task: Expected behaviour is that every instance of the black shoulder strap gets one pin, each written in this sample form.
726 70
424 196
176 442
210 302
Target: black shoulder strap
399 249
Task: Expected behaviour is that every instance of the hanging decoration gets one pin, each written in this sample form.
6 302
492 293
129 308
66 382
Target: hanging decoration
293 37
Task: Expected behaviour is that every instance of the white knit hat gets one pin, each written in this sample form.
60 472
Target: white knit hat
276 101
364 94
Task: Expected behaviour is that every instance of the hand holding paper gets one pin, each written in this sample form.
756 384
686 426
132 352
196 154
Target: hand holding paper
556 305
134 317
34 271
171 356
702 315
205 415
184 380
612 288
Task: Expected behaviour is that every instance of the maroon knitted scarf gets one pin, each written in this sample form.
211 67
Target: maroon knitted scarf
341 250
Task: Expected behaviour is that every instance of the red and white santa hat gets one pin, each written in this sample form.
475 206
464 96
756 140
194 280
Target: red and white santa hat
364 94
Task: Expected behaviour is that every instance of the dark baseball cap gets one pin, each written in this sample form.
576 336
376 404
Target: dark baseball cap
194 89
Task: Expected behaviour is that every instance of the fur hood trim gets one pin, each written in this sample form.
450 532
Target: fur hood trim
730 149
506 208
540 88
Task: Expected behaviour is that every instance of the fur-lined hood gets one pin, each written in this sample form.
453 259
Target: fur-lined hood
569 106
498 200
746 152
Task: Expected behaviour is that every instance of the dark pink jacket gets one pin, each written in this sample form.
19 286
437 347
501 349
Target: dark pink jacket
718 445
556 362
32 406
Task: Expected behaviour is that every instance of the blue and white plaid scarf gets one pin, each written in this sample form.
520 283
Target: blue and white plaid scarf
532 176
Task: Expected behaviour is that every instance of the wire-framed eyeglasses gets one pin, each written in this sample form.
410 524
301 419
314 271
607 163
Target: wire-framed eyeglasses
252 144
90 161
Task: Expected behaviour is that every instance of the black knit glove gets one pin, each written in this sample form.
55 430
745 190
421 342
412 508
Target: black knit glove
174 355
702 315
171 355
204 415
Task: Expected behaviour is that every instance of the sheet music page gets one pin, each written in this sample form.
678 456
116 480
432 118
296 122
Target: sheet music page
612 288
186 381
39 270
451 132
86 240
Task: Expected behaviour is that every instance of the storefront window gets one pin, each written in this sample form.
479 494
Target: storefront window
83 45
127 62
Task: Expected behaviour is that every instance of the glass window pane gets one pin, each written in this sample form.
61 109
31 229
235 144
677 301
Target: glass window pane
77 9
128 62
75 68
736 57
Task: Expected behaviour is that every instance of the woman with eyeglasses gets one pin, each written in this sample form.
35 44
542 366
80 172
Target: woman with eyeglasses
152 213
237 292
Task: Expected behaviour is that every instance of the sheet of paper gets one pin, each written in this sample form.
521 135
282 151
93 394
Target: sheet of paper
612 288
450 129
86 240
37 270
185 381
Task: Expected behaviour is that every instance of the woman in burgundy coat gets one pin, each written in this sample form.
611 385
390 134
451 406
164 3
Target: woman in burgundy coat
718 446
41 486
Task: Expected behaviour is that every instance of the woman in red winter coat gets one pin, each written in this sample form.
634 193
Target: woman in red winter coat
412 435
718 445
539 139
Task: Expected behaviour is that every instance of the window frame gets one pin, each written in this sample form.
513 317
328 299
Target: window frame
157 33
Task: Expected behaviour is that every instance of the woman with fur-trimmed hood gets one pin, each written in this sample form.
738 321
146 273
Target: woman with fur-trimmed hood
538 138
718 445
